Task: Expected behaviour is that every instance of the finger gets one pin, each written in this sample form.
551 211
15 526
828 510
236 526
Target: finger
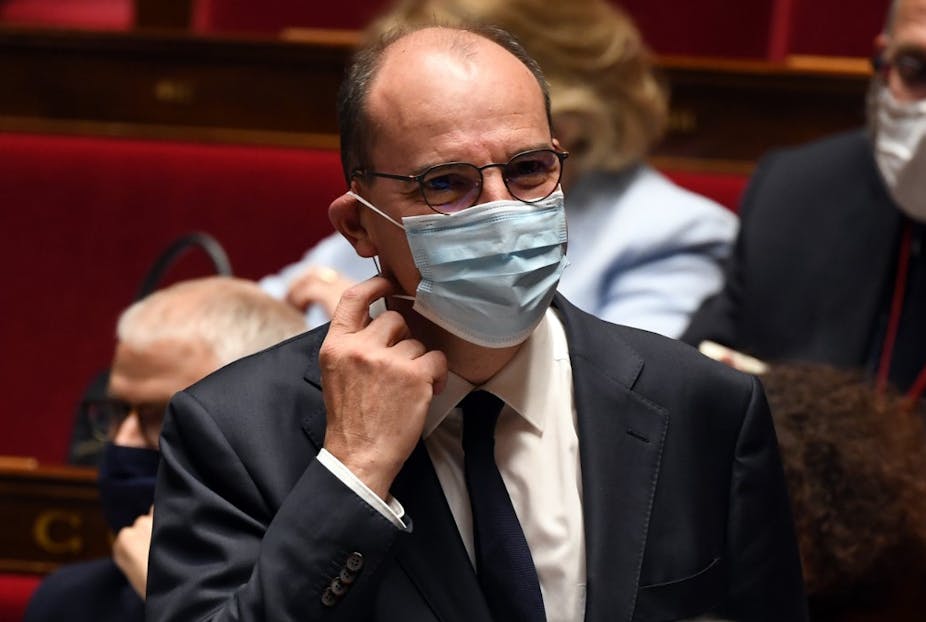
409 348
434 364
388 328
298 296
305 291
353 311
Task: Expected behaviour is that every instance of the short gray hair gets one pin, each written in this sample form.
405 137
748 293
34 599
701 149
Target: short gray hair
232 317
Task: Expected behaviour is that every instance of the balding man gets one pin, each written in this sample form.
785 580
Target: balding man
166 342
460 443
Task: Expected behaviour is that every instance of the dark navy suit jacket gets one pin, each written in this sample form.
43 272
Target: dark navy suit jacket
684 498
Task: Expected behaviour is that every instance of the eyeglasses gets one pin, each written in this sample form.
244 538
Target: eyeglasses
106 415
910 66
530 176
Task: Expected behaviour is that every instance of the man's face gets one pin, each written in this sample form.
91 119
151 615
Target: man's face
905 50
429 106
147 377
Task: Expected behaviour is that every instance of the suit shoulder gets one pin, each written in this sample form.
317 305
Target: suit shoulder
631 353
656 347
287 360
798 187
837 153
678 376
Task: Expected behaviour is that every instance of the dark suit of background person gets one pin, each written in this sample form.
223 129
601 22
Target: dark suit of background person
815 259
269 492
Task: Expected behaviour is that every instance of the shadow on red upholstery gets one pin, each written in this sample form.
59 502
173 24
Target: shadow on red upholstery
82 220
15 591
725 188
836 27
81 14
272 16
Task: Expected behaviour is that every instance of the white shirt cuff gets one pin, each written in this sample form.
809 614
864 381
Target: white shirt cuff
390 508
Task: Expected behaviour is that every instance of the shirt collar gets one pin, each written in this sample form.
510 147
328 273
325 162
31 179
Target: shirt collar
516 383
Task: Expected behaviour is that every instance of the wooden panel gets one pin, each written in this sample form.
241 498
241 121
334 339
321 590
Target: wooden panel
283 92
175 85
50 516
737 110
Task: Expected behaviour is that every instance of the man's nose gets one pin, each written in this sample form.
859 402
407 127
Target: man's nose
129 433
493 186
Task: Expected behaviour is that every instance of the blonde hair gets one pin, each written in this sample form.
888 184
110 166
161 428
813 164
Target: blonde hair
599 70
232 317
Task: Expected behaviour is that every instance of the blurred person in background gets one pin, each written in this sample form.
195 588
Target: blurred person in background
165 342
643 251
829 264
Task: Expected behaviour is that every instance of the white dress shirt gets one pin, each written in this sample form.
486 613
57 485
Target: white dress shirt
537 453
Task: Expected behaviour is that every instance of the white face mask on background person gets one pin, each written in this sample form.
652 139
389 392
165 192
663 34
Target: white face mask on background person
489 272
900 151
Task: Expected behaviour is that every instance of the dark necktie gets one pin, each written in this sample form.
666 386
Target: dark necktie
503 562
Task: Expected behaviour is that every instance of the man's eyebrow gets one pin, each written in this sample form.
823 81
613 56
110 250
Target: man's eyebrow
425 167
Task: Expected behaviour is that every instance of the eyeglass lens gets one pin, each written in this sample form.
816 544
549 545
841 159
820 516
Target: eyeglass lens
529 176
911 67
105 416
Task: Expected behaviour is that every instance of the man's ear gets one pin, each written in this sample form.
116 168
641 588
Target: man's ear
880 45
344 213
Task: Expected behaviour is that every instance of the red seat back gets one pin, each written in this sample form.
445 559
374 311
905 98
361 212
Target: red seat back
15 592
82 220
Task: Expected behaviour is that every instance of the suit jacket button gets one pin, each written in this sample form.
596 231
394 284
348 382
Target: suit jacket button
338 588
346 576
328 598
354 562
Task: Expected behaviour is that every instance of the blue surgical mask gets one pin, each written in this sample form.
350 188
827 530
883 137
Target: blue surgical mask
488 273
126 479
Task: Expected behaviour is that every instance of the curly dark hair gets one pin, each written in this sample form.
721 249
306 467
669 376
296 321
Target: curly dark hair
855 463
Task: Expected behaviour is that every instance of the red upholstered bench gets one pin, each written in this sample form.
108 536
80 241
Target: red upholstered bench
81 14
82 220
15 591
725 188
84 217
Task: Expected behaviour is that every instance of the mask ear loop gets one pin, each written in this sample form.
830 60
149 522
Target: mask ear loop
375 258
376 209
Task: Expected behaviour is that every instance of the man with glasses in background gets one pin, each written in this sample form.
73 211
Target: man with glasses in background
830 264
167 341
461 443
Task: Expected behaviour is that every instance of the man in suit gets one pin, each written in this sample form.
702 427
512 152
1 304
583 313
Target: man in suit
828 266
166 341
343 476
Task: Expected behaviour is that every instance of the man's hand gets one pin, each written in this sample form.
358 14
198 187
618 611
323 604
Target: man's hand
317 285
378 383
130 551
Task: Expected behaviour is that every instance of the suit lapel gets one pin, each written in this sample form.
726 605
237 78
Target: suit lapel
433 555
620 446
313 420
